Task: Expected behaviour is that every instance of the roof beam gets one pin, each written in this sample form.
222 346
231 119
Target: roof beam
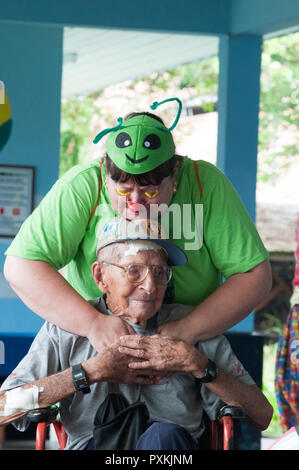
264 17
191 16
213 17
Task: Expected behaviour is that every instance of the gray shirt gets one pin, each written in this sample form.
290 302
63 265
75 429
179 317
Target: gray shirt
181 400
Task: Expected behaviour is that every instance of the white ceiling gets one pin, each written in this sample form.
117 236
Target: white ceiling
97 58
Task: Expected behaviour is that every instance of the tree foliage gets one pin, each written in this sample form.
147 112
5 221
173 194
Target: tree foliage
279 104
75 134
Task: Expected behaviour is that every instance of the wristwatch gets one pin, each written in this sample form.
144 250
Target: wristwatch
79 379
211 372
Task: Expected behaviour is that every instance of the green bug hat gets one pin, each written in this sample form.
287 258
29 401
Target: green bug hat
141 143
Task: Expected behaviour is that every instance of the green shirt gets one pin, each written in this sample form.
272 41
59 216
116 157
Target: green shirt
63 229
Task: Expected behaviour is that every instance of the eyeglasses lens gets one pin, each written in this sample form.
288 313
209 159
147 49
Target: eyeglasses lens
138 272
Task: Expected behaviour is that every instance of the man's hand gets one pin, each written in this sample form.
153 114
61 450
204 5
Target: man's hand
159 352
110 365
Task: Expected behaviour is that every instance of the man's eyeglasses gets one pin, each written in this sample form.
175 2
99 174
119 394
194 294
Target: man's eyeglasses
136 273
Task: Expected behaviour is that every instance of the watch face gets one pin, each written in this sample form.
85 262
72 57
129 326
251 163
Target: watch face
79 379
81 383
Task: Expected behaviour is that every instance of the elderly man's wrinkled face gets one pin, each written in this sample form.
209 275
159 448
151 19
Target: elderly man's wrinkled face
136 302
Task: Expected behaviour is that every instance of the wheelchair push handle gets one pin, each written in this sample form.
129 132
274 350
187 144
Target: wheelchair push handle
233 411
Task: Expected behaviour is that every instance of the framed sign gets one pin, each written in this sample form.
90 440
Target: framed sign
16 197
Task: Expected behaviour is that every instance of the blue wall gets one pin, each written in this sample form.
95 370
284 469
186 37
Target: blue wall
31 68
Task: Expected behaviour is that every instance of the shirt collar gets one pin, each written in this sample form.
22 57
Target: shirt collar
149 329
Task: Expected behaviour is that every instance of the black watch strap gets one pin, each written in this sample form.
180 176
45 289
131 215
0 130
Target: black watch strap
79 379
211 372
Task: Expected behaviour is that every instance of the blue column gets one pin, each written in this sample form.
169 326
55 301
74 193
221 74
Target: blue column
31 68
238 108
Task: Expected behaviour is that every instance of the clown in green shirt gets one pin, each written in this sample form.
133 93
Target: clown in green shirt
141 176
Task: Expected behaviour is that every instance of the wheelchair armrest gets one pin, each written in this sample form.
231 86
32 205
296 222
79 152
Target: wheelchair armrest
233 411
47 415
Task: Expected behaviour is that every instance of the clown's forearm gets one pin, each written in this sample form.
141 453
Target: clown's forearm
59 303
58 298
226 307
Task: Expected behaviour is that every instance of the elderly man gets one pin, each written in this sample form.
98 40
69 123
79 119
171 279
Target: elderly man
133 270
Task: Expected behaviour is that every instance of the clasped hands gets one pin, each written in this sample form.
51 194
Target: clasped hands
125 357
162 354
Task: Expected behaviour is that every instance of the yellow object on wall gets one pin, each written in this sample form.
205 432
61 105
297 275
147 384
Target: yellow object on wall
5 117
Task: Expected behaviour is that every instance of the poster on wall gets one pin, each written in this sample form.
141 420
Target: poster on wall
16 197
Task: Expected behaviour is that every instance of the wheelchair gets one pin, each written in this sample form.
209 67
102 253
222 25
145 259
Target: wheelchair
220 432
45 417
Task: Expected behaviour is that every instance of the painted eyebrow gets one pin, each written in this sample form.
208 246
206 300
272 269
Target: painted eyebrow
123 185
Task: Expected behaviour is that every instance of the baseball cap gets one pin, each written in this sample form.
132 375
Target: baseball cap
120 230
